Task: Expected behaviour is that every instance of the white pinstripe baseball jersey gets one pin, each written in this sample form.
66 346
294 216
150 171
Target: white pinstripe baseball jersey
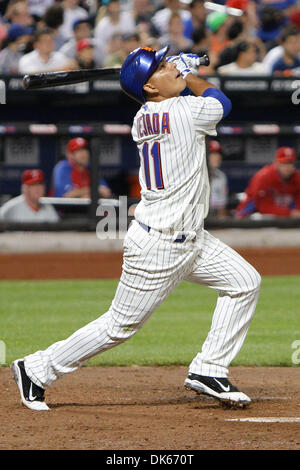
171 139
170 136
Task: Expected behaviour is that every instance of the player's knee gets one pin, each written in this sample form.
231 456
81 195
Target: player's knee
255 280
248 280
120 333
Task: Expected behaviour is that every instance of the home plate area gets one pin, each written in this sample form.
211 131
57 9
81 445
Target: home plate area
142 408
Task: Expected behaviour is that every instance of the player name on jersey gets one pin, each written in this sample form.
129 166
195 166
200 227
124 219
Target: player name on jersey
153 124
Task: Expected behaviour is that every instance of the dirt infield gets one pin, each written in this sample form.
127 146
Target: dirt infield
137 408
101 265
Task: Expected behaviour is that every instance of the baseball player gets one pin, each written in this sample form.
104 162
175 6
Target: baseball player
71 176
217 181
274 189
27 206
166 243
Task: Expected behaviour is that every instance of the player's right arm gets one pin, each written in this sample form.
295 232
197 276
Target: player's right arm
200 87
197 84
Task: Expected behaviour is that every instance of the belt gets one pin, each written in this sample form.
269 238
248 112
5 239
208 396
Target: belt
180 239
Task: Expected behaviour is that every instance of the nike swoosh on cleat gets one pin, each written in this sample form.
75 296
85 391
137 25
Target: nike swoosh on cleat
31 397
226 389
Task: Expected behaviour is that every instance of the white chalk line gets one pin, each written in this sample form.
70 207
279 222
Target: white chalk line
272 398
267 420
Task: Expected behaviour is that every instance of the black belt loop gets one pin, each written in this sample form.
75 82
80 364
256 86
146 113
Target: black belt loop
145 227
180 239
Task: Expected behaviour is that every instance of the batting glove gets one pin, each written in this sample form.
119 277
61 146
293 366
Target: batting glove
185 63
181 65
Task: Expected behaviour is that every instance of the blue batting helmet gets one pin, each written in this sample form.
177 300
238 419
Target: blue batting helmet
137 68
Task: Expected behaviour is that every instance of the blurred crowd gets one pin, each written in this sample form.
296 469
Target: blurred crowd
242 37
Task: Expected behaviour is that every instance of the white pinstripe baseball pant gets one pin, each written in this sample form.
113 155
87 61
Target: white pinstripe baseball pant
152 268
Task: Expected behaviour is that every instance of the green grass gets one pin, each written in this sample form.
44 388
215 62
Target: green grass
34 314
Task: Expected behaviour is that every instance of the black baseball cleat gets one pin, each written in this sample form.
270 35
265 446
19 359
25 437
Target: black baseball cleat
219 388
32 395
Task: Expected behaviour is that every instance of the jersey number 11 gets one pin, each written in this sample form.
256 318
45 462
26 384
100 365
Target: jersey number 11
155 154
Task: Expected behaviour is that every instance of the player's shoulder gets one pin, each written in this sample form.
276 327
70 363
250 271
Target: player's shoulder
49 209
197 101
186 102
15 201
63 165
267 172
12 204
27 58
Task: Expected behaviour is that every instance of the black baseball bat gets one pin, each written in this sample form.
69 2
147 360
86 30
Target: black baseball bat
204 60
68 77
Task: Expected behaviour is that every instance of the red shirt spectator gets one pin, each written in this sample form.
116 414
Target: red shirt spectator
275 189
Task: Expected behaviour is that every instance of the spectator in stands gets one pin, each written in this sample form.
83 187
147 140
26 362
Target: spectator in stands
37 8
287 6
271 57
113 46
175 37
274 189
236 33
218 24
71 176
113 22
161 17
16 43
82 29
142 12
27 206
274 54
85 55
3 31
218 181
201 41
271 21
43 58
53 19
295 17
197 18
249 17
289 63
18 12
129 42
72 11
245 63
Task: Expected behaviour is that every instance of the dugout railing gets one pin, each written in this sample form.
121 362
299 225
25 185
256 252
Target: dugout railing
81 214
35 125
